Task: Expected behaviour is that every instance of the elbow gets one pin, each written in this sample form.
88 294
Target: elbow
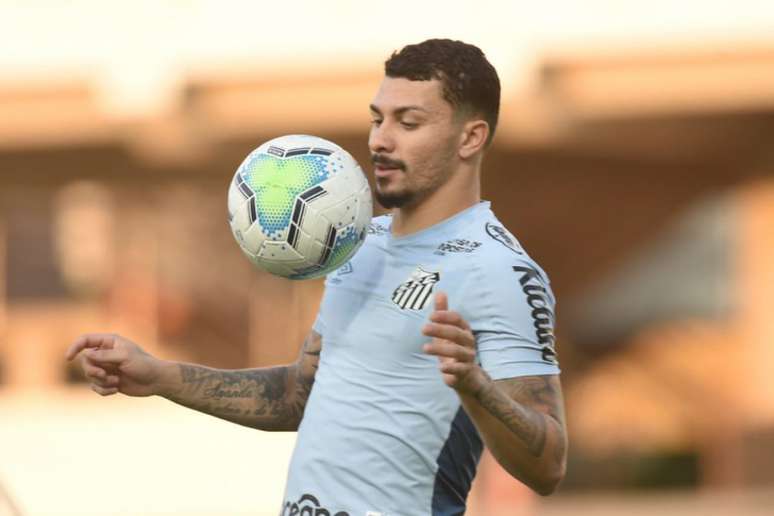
550 482
544 484
546 488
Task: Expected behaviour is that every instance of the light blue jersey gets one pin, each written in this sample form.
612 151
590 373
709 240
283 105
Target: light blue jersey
382 435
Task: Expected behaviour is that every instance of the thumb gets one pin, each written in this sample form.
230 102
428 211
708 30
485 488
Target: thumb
441 301
107 356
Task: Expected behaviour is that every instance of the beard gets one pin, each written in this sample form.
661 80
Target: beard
410 194
394 199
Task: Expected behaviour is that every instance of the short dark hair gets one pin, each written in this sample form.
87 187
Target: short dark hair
469 81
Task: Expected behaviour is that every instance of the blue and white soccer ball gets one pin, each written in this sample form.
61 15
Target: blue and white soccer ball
299 206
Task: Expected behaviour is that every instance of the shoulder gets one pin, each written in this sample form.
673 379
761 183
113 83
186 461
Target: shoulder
501 254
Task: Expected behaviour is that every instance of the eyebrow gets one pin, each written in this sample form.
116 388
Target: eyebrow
399 111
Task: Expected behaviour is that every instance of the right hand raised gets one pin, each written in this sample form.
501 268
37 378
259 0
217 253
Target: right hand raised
114 364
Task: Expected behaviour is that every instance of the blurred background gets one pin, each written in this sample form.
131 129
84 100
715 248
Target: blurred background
634 160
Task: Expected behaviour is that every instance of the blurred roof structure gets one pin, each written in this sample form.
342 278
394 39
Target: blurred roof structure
662 105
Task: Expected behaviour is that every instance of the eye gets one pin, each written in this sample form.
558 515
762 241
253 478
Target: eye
409 125
376 122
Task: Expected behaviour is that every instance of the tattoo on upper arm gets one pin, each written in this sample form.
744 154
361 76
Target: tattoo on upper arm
534 396
305 370
310 351
541 393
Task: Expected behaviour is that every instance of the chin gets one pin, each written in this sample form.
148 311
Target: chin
391 200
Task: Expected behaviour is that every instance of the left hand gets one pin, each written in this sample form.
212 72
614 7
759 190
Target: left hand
454 345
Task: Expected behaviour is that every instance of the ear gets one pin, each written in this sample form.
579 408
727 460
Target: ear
473 138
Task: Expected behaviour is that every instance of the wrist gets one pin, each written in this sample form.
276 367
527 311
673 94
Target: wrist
476 389
168 381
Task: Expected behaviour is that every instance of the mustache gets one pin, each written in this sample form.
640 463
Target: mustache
378 159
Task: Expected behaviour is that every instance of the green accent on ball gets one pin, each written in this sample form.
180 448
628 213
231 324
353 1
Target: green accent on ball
276 183
341 253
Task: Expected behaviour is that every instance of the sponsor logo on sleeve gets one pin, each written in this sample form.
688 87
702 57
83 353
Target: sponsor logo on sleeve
416 291
503 236
308 505
533 286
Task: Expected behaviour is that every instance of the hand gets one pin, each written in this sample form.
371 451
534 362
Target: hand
114 364
454 345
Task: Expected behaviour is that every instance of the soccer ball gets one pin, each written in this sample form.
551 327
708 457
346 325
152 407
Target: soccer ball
299 206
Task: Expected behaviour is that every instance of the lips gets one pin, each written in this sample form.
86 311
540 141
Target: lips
385 167
384 171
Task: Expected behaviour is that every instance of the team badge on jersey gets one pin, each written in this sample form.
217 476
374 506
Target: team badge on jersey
503 236
415 293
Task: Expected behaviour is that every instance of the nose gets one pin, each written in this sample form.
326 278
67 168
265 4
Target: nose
380 139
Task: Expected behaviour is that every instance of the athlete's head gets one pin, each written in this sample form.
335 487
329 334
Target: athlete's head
436 108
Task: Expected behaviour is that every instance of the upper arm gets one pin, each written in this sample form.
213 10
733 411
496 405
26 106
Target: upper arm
542 393
309 356
511 313
304 370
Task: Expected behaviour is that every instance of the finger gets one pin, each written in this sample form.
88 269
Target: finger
450 350
93 372
103 391
450 379
449 317
109 382
112 381
107 356
100 376
449 332
441 301
89 340
79 345
455 368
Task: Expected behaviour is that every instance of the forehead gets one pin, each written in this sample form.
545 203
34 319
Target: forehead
397 92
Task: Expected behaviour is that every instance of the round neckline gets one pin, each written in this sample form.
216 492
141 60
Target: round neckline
439 227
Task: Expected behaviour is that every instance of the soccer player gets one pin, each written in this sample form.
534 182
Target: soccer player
435 340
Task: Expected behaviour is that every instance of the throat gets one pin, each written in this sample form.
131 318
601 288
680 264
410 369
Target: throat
429 212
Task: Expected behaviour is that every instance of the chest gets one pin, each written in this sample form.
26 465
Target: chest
376 305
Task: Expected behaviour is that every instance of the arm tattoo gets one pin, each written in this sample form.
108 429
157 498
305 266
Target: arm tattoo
521 405
271 398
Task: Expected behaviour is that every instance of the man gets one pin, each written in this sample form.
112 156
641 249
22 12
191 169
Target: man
393 392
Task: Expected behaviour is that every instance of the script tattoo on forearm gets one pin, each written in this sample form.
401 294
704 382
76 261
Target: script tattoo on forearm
528 424
269 398
239 394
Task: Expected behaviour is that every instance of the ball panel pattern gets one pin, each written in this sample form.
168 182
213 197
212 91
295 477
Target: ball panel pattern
276 183
299 206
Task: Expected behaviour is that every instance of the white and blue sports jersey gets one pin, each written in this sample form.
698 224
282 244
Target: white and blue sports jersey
382 435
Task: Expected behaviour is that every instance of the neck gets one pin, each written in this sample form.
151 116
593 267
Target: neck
461 191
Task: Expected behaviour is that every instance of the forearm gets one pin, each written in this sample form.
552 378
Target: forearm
267 398
529 444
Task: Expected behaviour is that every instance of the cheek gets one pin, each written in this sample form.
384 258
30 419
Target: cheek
434 158
425 150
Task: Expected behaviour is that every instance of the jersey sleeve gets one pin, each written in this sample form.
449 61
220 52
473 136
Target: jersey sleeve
511 311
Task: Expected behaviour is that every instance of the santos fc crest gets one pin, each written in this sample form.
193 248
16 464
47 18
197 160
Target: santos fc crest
415 293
